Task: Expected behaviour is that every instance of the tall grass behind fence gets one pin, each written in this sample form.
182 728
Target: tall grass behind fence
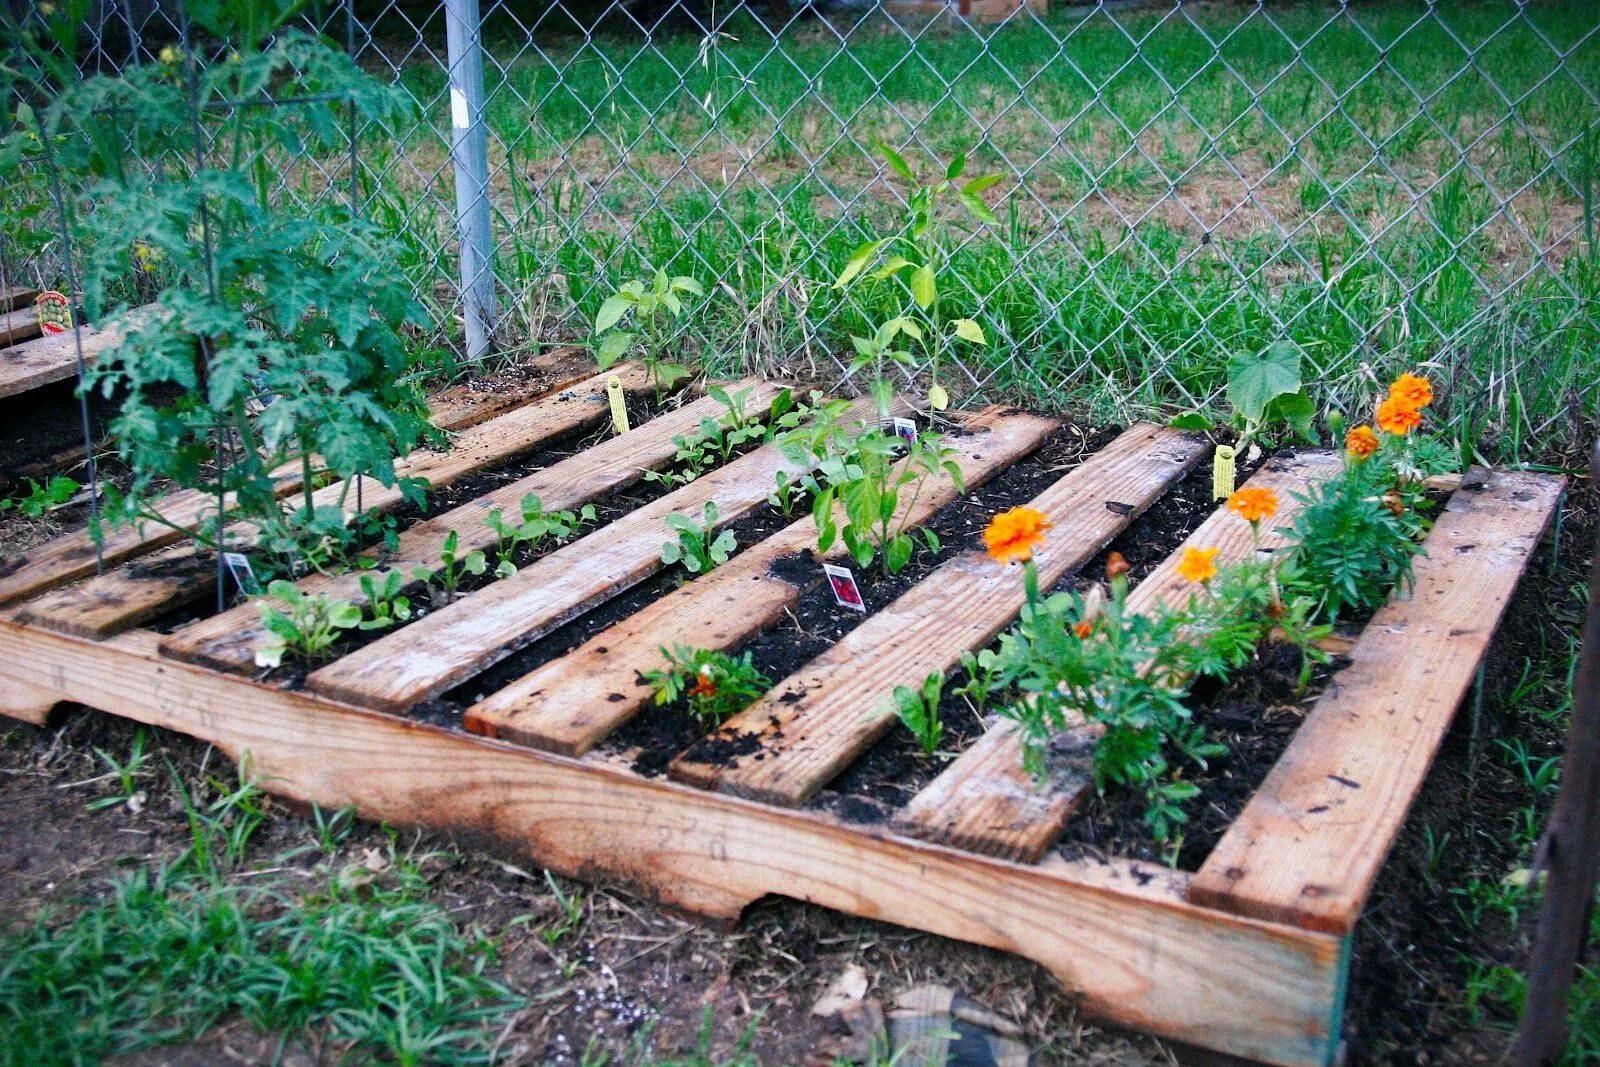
1387 185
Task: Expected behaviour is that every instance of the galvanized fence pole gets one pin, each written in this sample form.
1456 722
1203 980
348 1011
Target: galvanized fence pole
469 150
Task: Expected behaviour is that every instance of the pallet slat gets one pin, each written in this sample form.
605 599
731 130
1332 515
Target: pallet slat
125 597
984 801
46 360
1307 847
19 326
815 722
11 299
556 707
460 406
228 641
451 644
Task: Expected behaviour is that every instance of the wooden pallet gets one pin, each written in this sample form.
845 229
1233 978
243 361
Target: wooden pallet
1247 956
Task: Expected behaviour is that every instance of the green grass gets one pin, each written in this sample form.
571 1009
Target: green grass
1328 205
348 961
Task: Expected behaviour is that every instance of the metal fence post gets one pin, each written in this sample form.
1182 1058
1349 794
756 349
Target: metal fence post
470 154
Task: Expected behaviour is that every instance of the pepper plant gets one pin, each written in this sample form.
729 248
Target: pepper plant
652 306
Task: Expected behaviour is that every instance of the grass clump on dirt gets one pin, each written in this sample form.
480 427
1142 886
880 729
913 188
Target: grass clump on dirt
355 961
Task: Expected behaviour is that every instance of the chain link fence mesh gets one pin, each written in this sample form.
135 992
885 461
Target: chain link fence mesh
1387 186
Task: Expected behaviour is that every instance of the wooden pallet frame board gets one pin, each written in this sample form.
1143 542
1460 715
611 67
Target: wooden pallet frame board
13 298
1309 845
814 723
1119 935
553 707
54 358
130 595
228 641
452 644
985 801
19 326
72 556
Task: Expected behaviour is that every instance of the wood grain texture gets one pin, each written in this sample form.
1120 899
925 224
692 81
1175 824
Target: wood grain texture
571 703
19 326
984 801
812 724
479 400
1138 954
13 298
71 556
1307 847
45 360
228 641
450 645
132 594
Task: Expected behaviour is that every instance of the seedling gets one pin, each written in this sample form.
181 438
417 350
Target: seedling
695 547
42 498
652 307
918 709
127 772
385 606
1268 398
872 492
716 684
301 625
444 580
534 528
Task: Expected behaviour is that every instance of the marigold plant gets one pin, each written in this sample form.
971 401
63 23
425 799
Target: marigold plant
1198 565
1411 391
1361 442
1014 535
1254 504
1398 417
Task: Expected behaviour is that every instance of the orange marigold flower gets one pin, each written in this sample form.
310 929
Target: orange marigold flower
1116 565
1412 391
1198 564
704 685
1013 535
1397 417
1083 628
1361 442
1253 505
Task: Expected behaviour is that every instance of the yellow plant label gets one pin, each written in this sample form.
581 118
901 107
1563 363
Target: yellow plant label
619 406
1222 473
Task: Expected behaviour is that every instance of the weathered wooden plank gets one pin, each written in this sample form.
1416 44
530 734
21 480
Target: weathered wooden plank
571 703
228 641
1120 936
450 645
122 599
45 360
984 801
470 403
11 299
812 724
1307 847
19 326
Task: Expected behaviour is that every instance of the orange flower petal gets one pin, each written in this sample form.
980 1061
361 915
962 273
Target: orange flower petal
1012 536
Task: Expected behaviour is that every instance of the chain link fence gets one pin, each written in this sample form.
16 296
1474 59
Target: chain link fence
1386 186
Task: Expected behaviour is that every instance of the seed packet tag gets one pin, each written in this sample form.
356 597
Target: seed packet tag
906 430
244 575
55 312
1223 474
619 406
845 590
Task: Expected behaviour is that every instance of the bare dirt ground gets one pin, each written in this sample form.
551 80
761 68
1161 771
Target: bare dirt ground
626 968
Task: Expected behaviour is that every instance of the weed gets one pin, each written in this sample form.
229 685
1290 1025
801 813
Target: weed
41 498
127 772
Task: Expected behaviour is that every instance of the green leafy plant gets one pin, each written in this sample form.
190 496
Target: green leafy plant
715 683
41 498
454 567
535 526
386 607
696 547
127 773
918 257
982 679
301 625
918 710
885 473
651 307
1268 397
277 337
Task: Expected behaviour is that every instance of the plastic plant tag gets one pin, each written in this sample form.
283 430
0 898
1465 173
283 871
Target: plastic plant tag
845 590
244 575
906 430
55 312
619 406
1223 474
